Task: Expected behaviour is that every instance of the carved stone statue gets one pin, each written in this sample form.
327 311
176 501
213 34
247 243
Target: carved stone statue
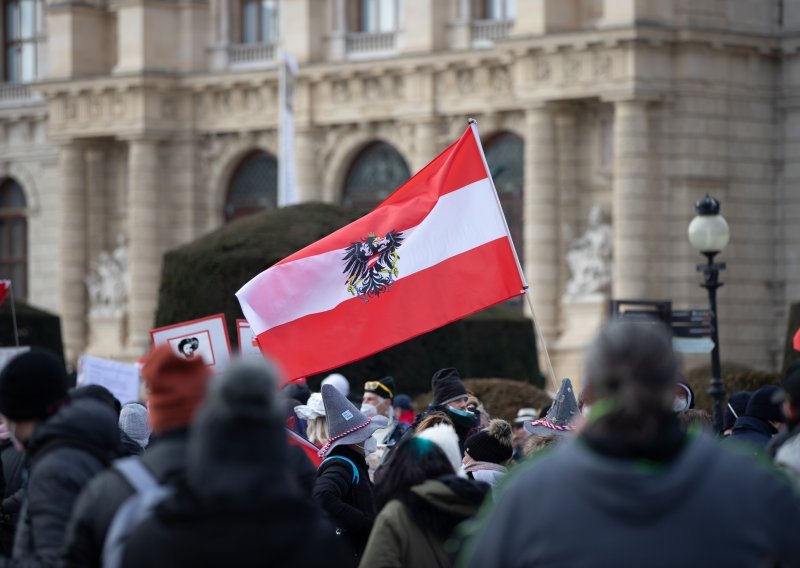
589 257
107 282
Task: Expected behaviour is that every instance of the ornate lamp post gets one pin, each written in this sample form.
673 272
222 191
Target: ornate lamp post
709 233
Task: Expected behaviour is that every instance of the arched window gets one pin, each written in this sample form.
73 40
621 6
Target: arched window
376 172
504 154
253 187
13 237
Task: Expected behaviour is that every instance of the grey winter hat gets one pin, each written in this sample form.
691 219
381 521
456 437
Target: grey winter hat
346 424
563 411
133 421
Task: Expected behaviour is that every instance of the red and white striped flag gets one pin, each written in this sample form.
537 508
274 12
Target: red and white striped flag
5 287
434 252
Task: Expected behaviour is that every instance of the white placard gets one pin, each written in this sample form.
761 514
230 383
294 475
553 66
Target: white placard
692 344
119 378
248 346
206 338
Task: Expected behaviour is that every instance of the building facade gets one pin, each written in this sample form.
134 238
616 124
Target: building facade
128 127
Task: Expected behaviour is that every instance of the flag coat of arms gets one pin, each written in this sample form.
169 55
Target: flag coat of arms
435 251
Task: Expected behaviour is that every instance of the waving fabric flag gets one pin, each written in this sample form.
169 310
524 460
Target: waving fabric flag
5 286
435 251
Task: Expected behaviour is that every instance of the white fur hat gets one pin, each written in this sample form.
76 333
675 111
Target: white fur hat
339 381
444 436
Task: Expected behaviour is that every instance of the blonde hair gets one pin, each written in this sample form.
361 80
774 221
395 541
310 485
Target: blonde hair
432 419
317 431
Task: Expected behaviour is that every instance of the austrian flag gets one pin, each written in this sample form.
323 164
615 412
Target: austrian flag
435 251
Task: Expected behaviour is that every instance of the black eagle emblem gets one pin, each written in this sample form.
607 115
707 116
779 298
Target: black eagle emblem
371 264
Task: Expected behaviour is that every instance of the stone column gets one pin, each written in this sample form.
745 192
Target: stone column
337 36
631 201
570 220
308 172
72 170
220 33
144 256
98 214
542 261
424 143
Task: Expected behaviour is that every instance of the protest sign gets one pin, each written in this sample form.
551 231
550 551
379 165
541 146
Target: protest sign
206 338
119 378
248 346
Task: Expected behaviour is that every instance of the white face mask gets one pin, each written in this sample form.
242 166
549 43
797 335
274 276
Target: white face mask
587 409
369 410
680 404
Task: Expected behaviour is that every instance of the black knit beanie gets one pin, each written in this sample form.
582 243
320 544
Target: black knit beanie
33 386
447 386
762 405
492 444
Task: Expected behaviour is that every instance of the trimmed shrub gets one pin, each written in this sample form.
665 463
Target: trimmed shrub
735 378
500 397
37 328
201 278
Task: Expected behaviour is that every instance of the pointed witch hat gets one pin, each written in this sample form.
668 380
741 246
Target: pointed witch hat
346 424
558 421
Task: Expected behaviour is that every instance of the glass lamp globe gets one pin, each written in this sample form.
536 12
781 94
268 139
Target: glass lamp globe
708 231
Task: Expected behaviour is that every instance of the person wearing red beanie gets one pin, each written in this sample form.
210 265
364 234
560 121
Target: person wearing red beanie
176 387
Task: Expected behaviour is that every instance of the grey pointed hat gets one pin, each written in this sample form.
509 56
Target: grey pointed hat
562 413
346 424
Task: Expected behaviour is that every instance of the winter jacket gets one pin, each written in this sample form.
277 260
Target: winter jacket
707 506
64 452
752 431
350 507
492 477
236 505
102 497
411 531
129 446
15 476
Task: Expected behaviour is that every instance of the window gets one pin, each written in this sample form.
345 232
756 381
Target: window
502 10
504 154
375 173
372 16
20 26
254 186
260 21
13 237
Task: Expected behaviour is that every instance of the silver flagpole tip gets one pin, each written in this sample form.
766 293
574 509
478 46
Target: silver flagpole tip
472 121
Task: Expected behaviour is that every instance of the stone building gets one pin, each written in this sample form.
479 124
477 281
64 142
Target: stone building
128 127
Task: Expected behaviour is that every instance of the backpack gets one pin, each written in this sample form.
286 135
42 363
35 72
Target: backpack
148 493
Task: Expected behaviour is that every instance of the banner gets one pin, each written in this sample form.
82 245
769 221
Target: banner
434 252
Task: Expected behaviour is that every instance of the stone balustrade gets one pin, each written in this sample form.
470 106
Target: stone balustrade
370 43
251 55
486 32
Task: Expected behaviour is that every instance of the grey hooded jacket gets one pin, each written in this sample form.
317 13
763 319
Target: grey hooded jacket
709 506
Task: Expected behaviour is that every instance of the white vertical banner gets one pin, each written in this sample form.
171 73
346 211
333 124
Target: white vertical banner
288 192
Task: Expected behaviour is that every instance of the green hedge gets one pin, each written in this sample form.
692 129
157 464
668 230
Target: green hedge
201 278
735 378
37 328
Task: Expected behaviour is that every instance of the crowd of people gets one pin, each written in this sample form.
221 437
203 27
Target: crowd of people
241 469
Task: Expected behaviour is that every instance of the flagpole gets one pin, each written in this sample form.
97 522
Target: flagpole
14 315
281 112
554 381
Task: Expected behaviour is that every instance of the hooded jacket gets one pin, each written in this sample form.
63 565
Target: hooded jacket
64 452
13 463
753 431
707 506
237 506
411 531
99 502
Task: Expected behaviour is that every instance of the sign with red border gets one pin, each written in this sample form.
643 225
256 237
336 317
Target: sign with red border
205 337
248 346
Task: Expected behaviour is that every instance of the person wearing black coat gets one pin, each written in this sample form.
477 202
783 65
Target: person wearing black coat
343 488
237 506
67 443
761 418
176 388
13 462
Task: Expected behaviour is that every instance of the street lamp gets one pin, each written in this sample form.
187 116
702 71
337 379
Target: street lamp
709 233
